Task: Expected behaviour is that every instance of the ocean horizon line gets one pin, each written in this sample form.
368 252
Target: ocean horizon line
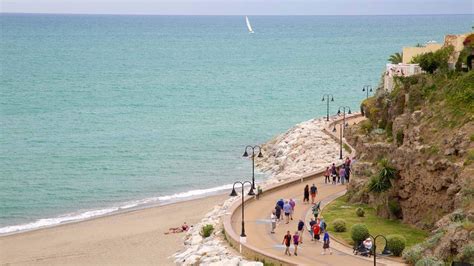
233 15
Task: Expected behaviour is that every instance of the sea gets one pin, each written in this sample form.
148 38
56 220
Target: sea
104 113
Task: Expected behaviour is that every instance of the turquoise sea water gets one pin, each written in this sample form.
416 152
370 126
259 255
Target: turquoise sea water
104 111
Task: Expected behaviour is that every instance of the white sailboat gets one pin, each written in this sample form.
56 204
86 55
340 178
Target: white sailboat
248 25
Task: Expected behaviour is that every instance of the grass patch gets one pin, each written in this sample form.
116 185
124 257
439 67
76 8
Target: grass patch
377 225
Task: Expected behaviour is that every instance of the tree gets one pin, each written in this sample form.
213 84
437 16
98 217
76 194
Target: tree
396 58
381 182
430 62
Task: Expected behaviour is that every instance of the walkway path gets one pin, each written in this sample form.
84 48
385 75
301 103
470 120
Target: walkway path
258 226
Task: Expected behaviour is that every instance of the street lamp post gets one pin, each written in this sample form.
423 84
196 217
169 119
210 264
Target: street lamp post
344 115
340 139
367 88
234 194
375 247
252 149
326 98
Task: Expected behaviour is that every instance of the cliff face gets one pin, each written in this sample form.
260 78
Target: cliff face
425 128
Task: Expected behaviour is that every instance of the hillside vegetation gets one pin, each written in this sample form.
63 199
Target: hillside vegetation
424 131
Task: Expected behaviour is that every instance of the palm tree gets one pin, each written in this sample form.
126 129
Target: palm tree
396 58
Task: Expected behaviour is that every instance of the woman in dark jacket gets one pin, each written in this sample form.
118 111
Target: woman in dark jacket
306 194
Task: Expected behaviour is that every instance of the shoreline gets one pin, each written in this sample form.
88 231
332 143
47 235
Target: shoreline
119 211
99 240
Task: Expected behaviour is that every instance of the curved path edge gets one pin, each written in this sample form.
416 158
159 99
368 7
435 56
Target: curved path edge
253 252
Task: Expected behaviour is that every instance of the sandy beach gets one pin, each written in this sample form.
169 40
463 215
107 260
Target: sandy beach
134 237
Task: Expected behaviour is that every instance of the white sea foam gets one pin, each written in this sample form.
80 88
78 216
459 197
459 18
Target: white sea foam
79 216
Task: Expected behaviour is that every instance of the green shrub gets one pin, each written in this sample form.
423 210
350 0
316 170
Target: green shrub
396 244
430 62
467 254
394 207
206 230
366 127
457 216
433 240
429 261
359 232
360 212
381 182
339 225
413 254
378 185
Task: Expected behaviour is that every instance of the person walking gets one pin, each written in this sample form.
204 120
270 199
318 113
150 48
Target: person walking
333 173
322 224
306 194
316 231
342 174
311 224
278 212
326 241
296 241
327 173
337 175
287 243
301 230
314 190
316 210
292 204
347 162
280 202
348 172
287 211
273 219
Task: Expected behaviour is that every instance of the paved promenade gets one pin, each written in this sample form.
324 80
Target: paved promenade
258 226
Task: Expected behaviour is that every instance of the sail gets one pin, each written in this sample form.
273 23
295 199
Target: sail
248 24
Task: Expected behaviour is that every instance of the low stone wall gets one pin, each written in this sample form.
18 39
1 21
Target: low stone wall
252 252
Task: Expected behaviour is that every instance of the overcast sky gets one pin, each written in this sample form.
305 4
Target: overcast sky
241 7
